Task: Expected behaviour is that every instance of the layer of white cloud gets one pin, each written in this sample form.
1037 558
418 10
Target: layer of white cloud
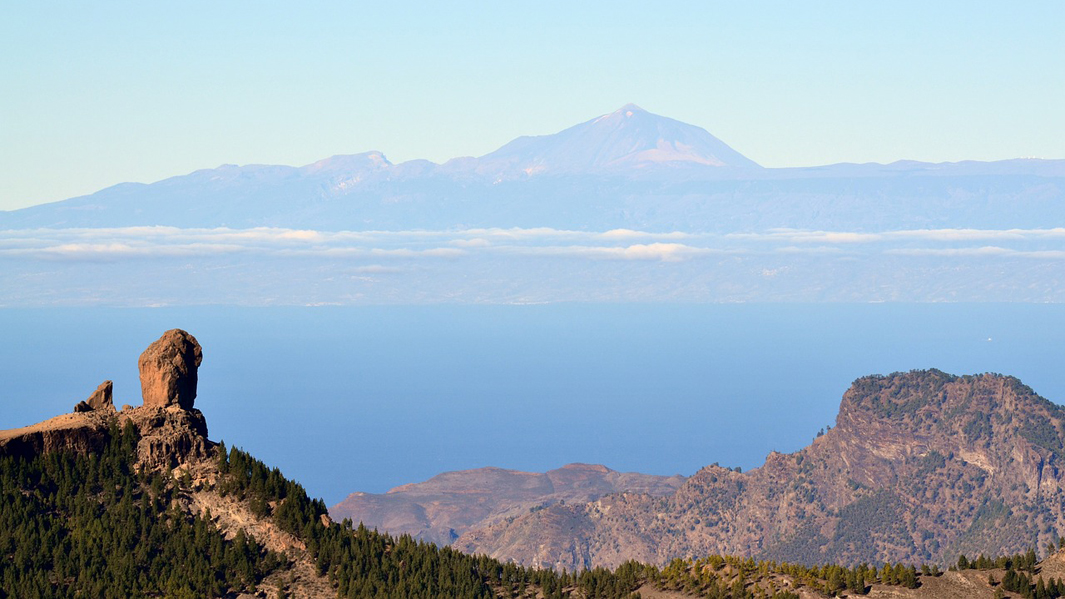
934 235
663 252
616 244
979 251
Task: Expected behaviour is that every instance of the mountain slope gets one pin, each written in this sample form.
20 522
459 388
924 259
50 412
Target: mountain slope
627 169
138 502
447 505
921 466
626 139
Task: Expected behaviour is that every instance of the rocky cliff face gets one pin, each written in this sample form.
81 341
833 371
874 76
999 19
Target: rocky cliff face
168 370
172 437
171 430
920 467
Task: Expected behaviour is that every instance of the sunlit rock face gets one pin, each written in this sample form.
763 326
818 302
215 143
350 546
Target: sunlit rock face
168 370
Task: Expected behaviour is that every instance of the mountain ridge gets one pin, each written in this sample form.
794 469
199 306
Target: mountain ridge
921 466
444 507
626 169
156 509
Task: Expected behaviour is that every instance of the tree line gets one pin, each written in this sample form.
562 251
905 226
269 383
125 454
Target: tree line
94 525
91 526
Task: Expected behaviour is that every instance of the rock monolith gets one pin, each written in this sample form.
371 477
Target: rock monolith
168 370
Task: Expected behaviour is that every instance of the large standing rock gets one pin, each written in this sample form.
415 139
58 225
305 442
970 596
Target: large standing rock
168 370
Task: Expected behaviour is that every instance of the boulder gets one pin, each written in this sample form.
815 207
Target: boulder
99 400
168 370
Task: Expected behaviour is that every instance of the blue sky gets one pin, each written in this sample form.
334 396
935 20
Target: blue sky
98 93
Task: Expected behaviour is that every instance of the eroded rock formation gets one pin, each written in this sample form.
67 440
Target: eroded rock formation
101 399
168 370
171 430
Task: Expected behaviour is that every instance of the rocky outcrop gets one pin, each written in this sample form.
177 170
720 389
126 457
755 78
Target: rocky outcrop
81 433
171 431
169 436
921 466
168 370
101 399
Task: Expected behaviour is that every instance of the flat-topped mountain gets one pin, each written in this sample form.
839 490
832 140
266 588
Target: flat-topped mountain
921 466
447 505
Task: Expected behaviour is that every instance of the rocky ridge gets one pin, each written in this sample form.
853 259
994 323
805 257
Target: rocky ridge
172 437
101 399
172 431
921 466
444 507
891 434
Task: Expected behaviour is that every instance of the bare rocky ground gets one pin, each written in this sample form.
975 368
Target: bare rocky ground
444 507
230 515
921 467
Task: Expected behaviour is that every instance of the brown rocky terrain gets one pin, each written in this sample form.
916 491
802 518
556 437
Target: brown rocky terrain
168 370
444 507
101 399
172 431
172 438
921 466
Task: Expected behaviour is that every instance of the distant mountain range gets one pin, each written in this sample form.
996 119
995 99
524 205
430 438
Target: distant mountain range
629 206
922 466
444 507
627 169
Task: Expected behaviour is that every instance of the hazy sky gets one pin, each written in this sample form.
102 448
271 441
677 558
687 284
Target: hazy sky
99 93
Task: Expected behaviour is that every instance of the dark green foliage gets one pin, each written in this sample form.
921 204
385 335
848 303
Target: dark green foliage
1040 431
729 577
894 396
978 427
806 541
929 463
1020 576
362 563
88 525
876 514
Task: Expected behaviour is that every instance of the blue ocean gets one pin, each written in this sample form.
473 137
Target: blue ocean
350 399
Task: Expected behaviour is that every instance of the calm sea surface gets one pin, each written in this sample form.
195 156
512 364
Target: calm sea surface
367 398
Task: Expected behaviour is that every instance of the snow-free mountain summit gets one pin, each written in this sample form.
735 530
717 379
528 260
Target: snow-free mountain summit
626 206
629 138
627 169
